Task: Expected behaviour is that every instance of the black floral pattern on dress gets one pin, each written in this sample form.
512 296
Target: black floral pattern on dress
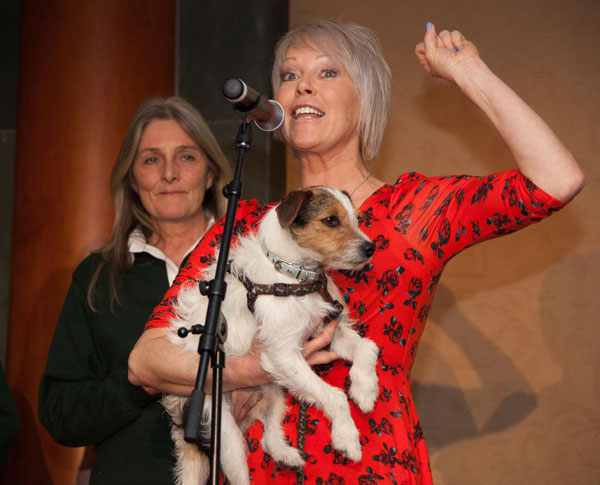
418 224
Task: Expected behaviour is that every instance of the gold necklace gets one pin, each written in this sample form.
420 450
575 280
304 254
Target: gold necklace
359 184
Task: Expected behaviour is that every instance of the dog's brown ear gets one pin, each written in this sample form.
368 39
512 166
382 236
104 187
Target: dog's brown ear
290 205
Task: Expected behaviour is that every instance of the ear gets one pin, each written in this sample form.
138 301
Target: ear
290 206
210 180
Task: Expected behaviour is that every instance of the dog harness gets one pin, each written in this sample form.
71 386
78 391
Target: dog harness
254 290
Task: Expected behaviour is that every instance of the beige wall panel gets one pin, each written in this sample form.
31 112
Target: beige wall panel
507 380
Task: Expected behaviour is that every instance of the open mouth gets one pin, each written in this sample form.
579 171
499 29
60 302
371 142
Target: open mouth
307 111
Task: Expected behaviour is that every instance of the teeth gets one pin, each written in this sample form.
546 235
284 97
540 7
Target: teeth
305 110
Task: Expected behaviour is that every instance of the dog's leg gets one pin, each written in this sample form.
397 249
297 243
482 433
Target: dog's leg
233 449
192 466
292 371
273 442
363 353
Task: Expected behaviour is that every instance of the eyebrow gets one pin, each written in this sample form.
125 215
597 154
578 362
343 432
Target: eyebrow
294 59
178 149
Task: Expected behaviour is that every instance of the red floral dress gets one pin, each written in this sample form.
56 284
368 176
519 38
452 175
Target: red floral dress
418 224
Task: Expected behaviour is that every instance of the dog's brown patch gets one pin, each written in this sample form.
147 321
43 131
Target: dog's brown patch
289 207
322 224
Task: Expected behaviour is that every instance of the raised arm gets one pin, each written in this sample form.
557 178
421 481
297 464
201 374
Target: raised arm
538 153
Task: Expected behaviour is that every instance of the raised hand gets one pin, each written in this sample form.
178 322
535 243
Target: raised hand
444 55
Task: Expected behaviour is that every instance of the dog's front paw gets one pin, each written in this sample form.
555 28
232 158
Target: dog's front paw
364 387
289 458
347 440
364 393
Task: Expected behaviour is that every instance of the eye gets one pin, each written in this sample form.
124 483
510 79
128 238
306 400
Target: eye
288 76
188 157
329 73
331 221
150 160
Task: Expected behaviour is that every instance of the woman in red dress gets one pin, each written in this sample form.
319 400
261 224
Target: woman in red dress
334 84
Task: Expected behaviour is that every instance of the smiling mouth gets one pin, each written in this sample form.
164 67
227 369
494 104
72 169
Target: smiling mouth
307 111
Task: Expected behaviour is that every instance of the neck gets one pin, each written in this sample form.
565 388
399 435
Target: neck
349 174
175 238
337 172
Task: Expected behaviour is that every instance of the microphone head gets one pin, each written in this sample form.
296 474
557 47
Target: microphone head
234 89
276 121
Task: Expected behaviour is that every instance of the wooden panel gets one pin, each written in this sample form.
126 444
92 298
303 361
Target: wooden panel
84 68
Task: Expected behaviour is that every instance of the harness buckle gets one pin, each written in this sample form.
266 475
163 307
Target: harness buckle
281 289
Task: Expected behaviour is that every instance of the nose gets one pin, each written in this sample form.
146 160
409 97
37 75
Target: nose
368 248
171 170
304 86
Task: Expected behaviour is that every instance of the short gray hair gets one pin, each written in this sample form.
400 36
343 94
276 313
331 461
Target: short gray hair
358 49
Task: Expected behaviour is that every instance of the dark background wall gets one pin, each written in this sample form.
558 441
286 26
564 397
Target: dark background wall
9 60
218 40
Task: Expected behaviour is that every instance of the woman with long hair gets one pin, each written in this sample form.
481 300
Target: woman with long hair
166 186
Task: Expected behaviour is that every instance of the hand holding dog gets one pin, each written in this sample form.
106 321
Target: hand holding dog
314 351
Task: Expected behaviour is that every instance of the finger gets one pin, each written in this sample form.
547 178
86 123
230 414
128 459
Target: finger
322 357
321 340
151 390
420 50
457 40
430 40
445 39
246 401
420 53
242 402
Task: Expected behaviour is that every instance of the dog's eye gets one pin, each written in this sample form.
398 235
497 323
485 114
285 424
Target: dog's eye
331 221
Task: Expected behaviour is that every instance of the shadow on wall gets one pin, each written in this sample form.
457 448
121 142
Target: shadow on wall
571 417
444 410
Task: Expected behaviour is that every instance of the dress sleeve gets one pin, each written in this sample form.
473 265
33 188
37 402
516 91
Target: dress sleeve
247 216
81 402
451 213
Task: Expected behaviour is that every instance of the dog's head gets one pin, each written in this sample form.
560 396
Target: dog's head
323 220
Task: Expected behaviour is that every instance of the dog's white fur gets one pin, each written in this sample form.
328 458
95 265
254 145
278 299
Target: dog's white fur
281 324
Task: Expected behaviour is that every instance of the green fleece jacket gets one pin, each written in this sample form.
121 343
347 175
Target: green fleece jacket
85 397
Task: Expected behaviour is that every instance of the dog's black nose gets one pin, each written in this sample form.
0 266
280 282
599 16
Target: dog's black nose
368 248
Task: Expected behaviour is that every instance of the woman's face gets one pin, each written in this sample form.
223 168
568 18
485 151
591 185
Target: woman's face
170 173
321 103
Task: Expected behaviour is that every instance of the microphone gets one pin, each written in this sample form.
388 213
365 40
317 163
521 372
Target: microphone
266 113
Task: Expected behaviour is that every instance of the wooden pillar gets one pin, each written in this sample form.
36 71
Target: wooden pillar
84 67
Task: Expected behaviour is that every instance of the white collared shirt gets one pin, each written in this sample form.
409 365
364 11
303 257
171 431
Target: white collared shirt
137 244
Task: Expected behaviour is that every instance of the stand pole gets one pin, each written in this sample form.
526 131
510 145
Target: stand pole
215 328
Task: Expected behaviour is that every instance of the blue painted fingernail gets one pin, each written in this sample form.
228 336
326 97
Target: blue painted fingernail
453 50
428 26
459 47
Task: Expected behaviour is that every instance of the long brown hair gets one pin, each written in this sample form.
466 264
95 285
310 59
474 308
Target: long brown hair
129 211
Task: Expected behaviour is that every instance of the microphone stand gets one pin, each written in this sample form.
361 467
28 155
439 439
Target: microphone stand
214 332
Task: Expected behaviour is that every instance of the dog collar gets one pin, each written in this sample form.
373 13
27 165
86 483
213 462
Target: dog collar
299 271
